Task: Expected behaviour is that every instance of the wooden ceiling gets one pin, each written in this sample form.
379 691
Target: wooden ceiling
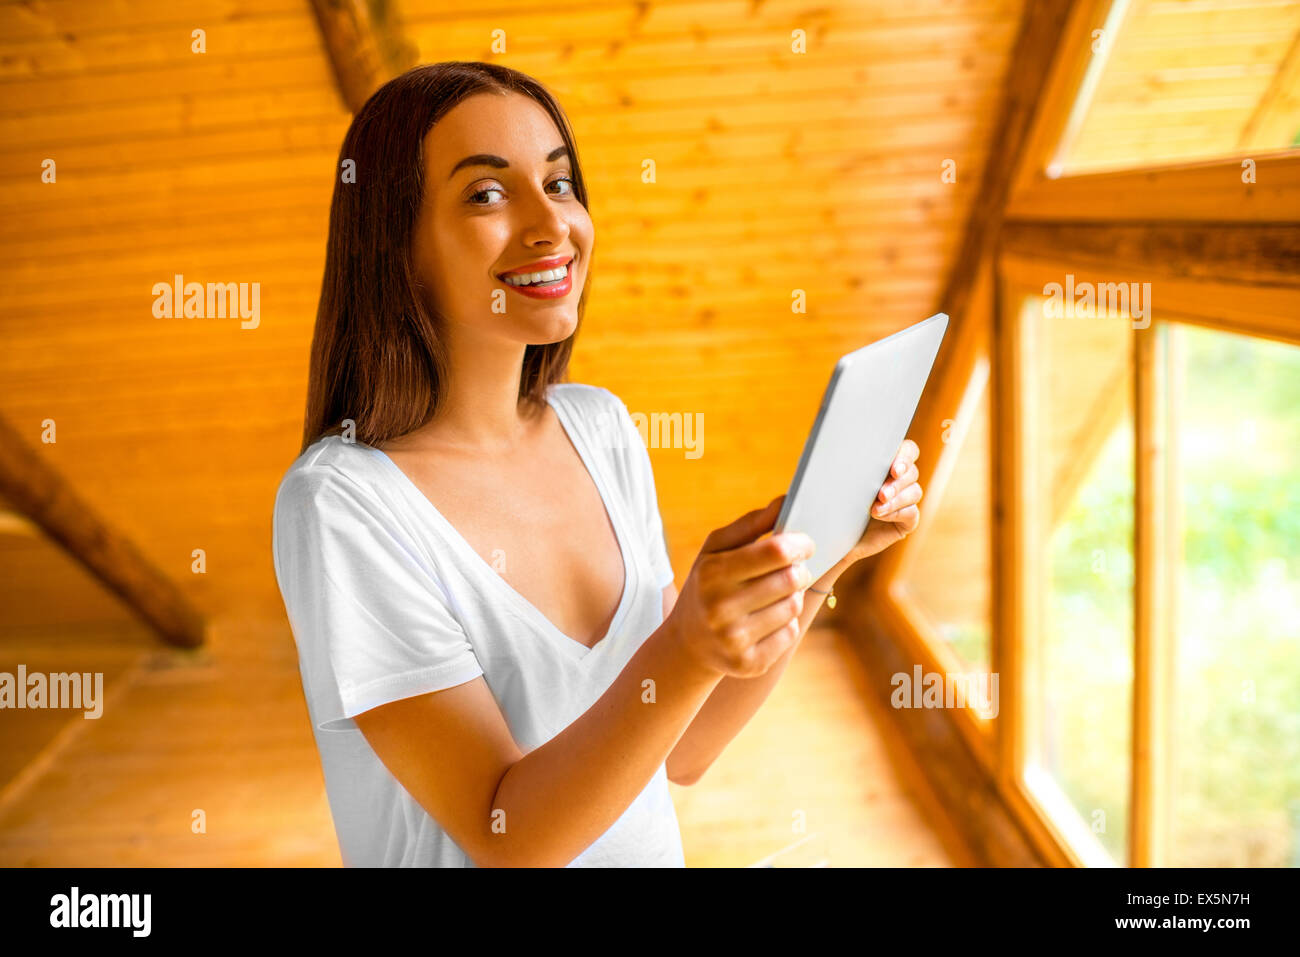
776 171
1193 79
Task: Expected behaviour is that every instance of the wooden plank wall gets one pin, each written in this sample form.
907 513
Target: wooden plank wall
775 172
214 165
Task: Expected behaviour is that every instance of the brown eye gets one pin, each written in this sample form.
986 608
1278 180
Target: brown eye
486 189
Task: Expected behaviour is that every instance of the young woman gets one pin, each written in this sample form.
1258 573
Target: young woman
498 668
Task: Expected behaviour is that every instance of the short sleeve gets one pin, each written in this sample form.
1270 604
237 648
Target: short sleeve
371 620
645 501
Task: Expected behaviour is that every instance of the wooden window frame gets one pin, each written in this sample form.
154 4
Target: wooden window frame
1270 311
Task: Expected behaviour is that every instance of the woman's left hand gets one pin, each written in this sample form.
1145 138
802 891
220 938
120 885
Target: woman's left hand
895 513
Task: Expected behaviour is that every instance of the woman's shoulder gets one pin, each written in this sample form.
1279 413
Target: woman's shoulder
586 397
602 414
329 466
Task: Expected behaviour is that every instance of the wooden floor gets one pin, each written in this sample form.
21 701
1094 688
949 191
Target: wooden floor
813 780
222 734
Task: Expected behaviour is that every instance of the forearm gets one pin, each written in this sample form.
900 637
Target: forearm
559 798
735 700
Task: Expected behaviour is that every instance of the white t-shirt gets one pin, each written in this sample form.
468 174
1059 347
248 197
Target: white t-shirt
386 601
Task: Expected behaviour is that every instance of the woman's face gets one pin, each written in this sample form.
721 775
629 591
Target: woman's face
510 206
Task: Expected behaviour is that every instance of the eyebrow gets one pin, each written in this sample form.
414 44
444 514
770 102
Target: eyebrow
498 162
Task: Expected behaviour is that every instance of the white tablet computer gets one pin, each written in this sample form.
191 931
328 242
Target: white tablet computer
864 417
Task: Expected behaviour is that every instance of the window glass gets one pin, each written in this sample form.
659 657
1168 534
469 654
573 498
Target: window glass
1080 505
1234 456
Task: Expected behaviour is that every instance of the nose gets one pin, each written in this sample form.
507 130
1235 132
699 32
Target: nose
542 219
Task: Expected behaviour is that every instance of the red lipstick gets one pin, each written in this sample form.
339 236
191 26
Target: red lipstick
555 291
540 266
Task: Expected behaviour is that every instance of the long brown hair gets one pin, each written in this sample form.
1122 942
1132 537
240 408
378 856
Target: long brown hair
376 355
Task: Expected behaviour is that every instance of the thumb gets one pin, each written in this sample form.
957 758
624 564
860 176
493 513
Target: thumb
745 529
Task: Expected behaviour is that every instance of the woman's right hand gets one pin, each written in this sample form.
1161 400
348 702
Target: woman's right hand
738 611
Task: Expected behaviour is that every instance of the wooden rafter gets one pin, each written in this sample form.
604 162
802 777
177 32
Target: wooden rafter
968 793
1271 311
1263 189
1276 120
1035 51
1079 59
365 46
1264 254
37 491
1043 31
1153 601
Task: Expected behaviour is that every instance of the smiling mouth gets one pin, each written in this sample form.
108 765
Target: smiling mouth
541 278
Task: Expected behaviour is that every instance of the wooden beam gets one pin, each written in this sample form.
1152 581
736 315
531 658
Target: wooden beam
1263 254
40 493
1041 34
1014 485
1149 799
1172 366
12 523
968 793
1068 90
1270 311
1264 190
903 616
365 46
1276 120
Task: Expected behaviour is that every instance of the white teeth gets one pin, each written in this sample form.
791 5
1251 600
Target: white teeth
528 279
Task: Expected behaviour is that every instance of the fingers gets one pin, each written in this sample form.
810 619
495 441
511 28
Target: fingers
742 627
744 529
895 485
768 589
908 452
760 656
902 468
907 498
905 520
902 472
770 554
765 619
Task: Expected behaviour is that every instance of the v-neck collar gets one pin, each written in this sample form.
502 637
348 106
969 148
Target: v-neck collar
569 645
